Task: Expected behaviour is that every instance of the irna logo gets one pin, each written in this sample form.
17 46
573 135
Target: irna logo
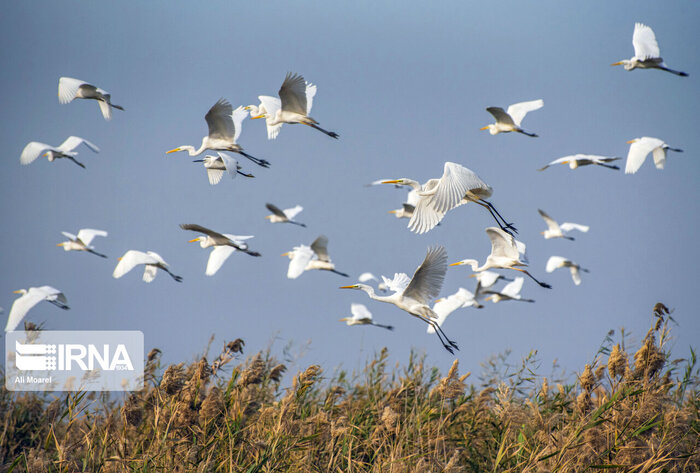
69 356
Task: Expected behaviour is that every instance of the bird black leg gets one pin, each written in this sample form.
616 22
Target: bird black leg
534 135
569 238
244 174
297 223
543 284
332 134
76 161
259 162
608 166
339 273
60 305
677 150
678 73
174 276
388 327
506 227
96 253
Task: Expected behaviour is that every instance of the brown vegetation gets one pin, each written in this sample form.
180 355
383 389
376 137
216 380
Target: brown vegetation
635 413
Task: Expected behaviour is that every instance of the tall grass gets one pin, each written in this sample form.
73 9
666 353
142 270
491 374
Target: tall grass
624 412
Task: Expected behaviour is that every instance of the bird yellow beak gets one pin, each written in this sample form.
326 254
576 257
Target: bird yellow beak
438 300
17 291
258 116
391 181
60 244
285 254
344 319
172 150
267 217
488 298
484 128
455 264
119 259
193 240
631 141
393 211
616 63
472 275
347 287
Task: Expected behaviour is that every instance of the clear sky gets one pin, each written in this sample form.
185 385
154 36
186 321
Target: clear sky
406 85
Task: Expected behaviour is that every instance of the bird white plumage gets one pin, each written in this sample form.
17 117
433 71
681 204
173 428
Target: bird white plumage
510 120
576 160
284 216
509 292
445 306
555 262
640 149
225 126
304 258
554 230
70 89
506 253
82 241
220 253
457 186
362 316
31 297
646 52
415 296
152 261
65 150
216 166
294 105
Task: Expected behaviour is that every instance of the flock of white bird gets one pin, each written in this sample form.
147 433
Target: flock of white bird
426 205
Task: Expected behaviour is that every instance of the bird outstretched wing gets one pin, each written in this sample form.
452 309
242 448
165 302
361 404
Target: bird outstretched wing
198 228
238 115
32 151
217 257
500 115
502 243
428 278
73 142
68 88
293 212
644 42
517 111
551 223
293 94
320 247
87 234
275 210
300 259
360 311
220 121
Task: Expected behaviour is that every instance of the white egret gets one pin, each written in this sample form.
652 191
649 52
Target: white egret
486 279
217 165
641 147
510 292
506 253
294 105
151 260
554 230
216 239
224 129
362 316
413 295
406 211
31 297
457 186
284 216
555 262
69 89
82 241
64 150
577 160
510 120
445 306
646 52
304 258
366 277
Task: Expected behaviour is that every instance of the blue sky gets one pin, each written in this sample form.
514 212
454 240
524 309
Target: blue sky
406 86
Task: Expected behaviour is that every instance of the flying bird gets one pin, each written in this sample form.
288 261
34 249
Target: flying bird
445 306
366 277
646 52
457 186
406 211
82 241
510 292
641 147
362 316
577 160
510 120
69 89
293 106
555 262
304 258
554 230
414 294
284 216
224 129
486 279
506 253
223 243
65 150
31 297
152 263
217 165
